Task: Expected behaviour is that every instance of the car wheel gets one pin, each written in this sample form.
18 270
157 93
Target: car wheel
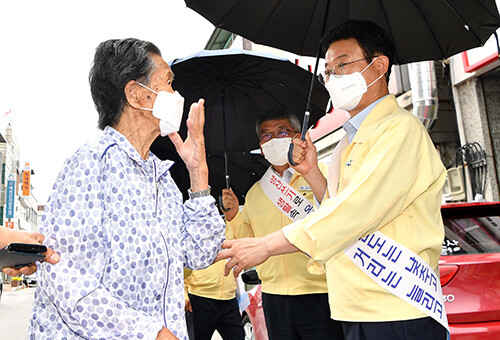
248 328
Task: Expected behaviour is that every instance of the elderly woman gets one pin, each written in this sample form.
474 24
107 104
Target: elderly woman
116 216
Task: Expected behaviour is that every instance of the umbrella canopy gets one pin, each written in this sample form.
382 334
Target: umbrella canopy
238 86
420 29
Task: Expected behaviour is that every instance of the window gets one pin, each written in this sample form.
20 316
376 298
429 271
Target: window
471 235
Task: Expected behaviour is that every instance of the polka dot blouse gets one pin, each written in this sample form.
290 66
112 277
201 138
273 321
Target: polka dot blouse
124 236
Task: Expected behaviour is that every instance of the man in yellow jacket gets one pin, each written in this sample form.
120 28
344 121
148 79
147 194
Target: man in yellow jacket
295 302
211 298
385 182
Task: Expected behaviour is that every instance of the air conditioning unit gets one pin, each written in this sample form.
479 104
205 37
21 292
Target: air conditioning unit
446 191
457 183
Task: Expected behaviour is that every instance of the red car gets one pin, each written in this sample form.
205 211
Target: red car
469 269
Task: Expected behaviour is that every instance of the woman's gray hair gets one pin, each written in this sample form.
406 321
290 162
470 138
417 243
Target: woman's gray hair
116 62
276 114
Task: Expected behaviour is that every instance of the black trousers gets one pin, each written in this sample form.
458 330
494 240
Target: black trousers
300 317
416 329
189 324
221 315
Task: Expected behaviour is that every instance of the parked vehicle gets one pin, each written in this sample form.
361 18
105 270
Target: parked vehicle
254 323
31 279
469 268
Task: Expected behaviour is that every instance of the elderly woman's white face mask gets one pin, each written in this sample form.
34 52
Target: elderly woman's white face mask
168 108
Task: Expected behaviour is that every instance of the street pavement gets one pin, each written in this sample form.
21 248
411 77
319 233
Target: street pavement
15 309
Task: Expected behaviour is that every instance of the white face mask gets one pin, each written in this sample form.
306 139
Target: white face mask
346 91
276 150
168 108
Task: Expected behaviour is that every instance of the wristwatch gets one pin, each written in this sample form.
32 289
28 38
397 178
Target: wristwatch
200 193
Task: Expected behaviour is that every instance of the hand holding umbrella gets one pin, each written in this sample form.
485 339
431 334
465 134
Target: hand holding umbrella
306 159
230 203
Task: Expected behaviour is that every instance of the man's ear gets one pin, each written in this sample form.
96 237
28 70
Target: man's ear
133 94
382 64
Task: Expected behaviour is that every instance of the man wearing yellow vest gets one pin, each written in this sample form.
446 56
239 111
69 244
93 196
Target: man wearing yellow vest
295 302
378 231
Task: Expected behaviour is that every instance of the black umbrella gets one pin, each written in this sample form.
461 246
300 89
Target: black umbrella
420 29
237 86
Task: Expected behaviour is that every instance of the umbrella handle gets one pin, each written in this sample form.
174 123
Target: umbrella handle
305 123
290 155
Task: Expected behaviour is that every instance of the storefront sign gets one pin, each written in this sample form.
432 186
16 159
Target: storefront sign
11 191
26 182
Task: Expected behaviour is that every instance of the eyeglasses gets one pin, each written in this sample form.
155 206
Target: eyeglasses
282 133
337 71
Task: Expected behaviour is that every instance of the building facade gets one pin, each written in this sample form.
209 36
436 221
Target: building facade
18 205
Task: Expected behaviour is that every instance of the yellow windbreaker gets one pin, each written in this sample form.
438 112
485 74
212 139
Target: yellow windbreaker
391 180
283 274
211 283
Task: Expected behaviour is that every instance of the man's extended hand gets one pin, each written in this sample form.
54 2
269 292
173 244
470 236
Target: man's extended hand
249 252
242 253
230 202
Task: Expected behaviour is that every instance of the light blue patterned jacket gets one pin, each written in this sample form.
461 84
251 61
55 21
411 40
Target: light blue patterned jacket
124 236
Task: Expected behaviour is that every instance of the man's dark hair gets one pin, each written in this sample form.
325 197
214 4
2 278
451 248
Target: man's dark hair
372 39
275 114
116 62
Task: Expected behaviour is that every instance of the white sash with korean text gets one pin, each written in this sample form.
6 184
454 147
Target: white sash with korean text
287 199
401 272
